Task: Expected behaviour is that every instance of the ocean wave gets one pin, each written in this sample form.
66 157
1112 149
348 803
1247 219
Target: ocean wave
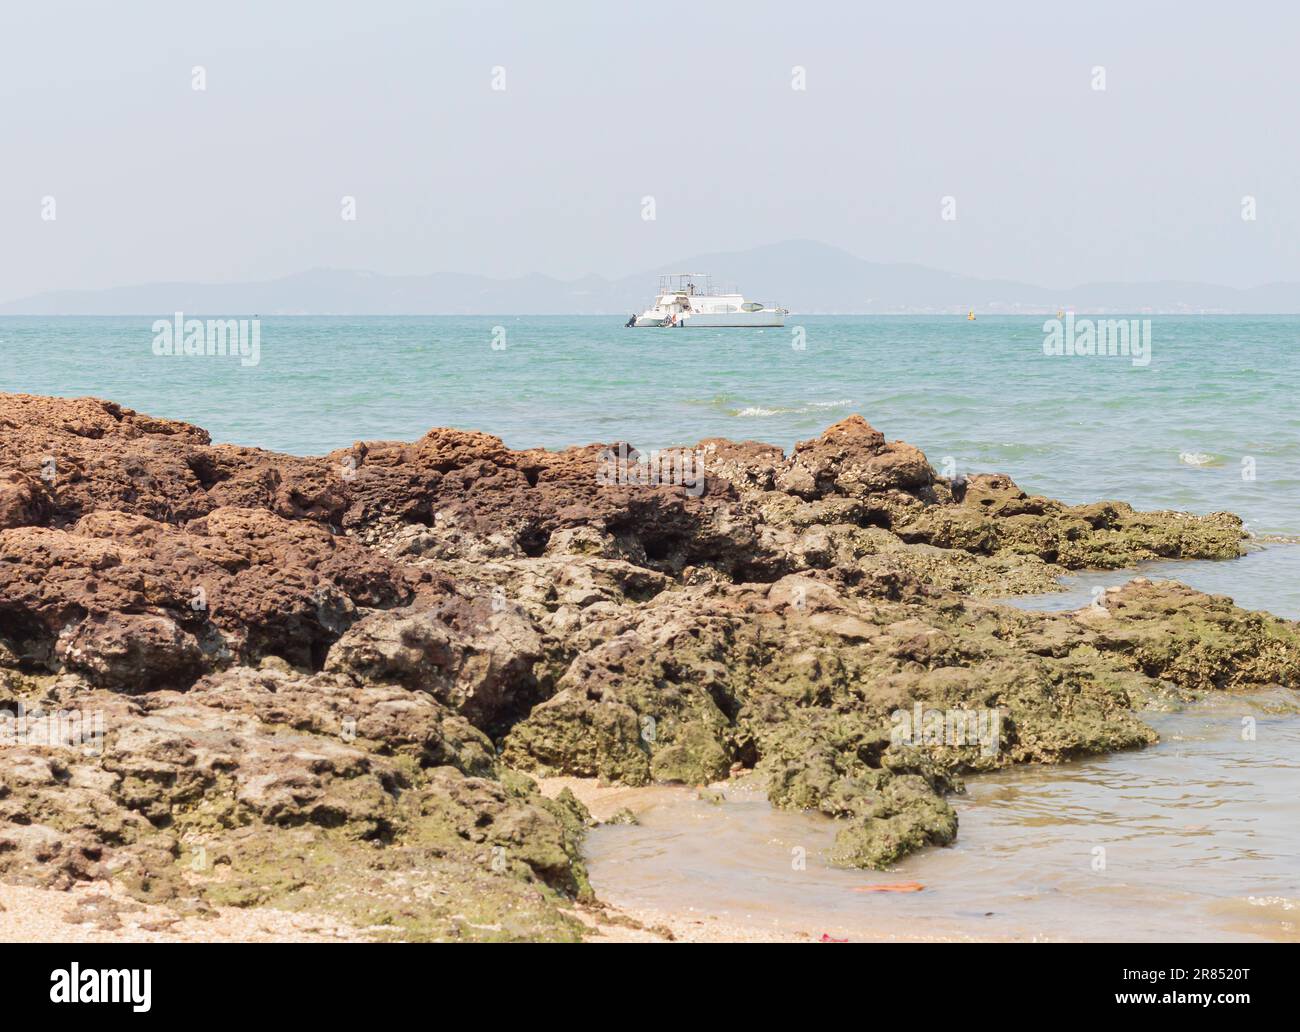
1200 459
758 411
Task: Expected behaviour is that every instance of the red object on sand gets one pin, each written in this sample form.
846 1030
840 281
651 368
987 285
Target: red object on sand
902 886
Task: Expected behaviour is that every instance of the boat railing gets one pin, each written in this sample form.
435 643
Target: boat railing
683 282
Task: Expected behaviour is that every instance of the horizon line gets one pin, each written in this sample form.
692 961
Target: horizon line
618 314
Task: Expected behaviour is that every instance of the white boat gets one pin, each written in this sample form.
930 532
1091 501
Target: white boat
687 299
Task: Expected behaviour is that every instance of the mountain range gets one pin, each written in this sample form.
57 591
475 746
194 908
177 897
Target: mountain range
804 276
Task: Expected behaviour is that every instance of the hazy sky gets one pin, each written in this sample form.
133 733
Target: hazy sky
605 103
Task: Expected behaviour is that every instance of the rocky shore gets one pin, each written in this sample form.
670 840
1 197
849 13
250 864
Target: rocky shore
327 684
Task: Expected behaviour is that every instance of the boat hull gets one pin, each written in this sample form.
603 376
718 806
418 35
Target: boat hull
711 320
707 319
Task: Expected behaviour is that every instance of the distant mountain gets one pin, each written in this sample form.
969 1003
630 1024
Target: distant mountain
804 276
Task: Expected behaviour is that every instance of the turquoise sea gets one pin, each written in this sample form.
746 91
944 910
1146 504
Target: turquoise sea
1211 423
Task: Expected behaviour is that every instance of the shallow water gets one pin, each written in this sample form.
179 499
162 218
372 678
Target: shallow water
1197 836
1266 579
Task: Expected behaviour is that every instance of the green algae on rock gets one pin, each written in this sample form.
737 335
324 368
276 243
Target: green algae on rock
802 680
241 792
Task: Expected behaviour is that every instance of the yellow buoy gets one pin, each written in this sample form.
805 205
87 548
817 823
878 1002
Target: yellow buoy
970 316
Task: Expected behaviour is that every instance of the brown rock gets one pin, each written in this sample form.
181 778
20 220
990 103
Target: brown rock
136 604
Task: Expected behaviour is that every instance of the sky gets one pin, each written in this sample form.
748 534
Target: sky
1052 181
